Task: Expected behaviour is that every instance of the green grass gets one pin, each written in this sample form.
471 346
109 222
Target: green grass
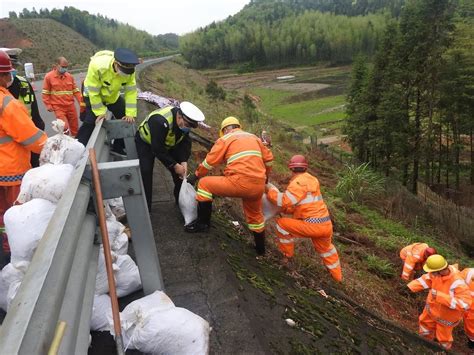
380 267
275 103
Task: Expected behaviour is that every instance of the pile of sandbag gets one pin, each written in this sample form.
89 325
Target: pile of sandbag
154 325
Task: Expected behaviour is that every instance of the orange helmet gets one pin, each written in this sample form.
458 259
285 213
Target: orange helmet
298 161
429 251
5 63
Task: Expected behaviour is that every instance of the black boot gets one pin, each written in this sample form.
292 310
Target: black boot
470 344
259 238
203 222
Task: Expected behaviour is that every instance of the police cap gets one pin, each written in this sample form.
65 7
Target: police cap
126 59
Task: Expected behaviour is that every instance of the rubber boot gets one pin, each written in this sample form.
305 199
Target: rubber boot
470 344
259 238
203 221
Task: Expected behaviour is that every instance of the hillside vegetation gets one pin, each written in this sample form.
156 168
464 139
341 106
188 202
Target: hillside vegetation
43 40
104 32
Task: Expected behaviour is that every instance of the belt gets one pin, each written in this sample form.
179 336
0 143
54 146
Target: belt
317 220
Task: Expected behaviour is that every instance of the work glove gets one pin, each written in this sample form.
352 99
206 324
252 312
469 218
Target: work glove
192 179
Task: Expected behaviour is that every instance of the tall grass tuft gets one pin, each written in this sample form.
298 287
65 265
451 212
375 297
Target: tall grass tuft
358 183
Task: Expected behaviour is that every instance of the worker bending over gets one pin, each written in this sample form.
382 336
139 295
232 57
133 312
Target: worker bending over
447 301
248 164
310 216
414 256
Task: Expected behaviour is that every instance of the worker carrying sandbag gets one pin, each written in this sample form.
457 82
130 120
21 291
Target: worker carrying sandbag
164 134
18 138
248 165
468 276
414 256
447 301
310 216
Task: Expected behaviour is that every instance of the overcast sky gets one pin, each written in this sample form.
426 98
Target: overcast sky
155 17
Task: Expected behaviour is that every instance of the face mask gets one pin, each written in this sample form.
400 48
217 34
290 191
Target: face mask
185 129
13 73
62 70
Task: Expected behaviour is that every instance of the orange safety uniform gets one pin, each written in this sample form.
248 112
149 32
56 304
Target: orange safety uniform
414 257
248 163
468 275
58 92
449 298
18 137
311 219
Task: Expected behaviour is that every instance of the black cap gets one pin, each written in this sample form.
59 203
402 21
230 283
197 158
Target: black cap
126 59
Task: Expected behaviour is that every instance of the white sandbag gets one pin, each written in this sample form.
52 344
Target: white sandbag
127 276
48 182
101 313
101 282
187 202
117 207
153 325
60 148
25 225
119 244
109 215
13 275
269 209
3 292
114 228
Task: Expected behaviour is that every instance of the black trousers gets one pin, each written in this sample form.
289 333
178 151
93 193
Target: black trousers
89 117
147 161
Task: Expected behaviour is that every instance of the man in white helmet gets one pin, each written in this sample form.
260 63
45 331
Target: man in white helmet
164 135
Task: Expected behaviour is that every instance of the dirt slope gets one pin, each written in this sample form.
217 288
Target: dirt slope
43 40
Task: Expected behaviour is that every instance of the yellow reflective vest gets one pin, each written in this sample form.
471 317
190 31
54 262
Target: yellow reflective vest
167 113
103 85
26 96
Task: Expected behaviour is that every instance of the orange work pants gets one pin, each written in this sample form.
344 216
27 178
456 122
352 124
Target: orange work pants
8 195
429 328
69 115
469 324
249 189
321 236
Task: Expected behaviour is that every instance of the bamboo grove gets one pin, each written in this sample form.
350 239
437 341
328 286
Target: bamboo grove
411 112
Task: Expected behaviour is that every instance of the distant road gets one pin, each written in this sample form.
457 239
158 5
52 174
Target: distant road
49 117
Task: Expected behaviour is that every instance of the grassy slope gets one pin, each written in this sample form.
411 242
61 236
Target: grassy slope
50 39
368 242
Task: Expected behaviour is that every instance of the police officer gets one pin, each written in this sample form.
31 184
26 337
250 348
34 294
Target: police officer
164 135
108 73
22 90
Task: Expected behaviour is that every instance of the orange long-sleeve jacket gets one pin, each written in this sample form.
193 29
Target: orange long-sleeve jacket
414 257
18 137
60 90
449 296
244 154
302 197
468 276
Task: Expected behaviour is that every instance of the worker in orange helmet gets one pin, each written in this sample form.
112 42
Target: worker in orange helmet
248 165
18 138
310 216
414 256
59 91
468 275
448 299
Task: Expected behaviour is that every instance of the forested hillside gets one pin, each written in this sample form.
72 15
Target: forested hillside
105 32
269 32
411 113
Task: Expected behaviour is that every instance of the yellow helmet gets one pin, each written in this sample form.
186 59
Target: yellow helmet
231 120
434 263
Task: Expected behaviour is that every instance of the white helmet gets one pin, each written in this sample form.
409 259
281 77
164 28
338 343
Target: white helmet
191 112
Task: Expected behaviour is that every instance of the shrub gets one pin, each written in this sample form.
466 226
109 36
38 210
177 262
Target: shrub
357 183
380 267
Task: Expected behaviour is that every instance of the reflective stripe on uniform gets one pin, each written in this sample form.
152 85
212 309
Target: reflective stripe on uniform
424 331
11 178
404 273
97 106
6 101
256 226
423 283
236 134
332 266
280 199
58 93
318 219
92 88
33 138
281 230
286 241
328 253
408 266
130 88
245 153
453 286
6 139
204 194
292 198
127 105
469 276
310 199
206 165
